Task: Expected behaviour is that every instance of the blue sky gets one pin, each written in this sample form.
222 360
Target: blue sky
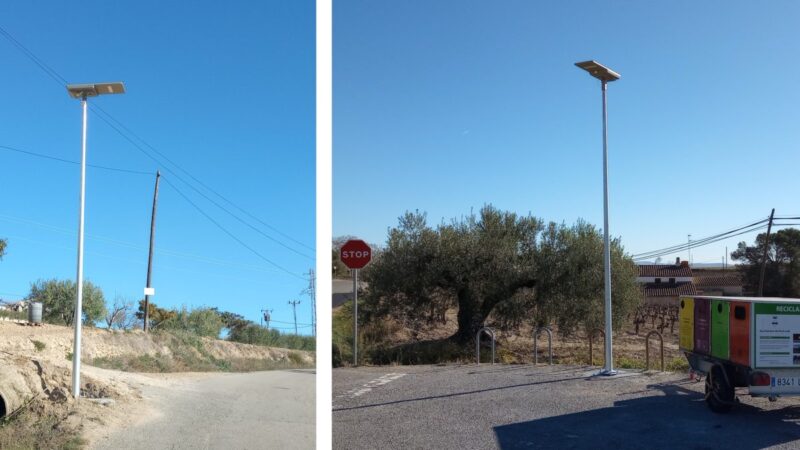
227 93
446 106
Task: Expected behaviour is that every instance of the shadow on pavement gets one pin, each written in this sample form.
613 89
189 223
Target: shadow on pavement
546 370
680 414
458 394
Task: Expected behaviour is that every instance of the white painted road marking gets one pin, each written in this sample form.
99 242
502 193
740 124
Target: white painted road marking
380 381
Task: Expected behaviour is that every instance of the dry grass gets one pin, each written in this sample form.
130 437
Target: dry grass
41 427
428 344
15 315
187 353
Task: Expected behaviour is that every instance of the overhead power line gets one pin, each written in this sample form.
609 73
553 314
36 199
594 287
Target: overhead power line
232 236
42 65
707 241
200 182
291 323
40 155
109 122
54 158
699 242
52 73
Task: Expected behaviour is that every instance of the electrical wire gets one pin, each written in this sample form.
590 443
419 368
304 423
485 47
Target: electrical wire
198 181
54 158
722 238
232 236
198 191
291 323
62 81
699 242
774 225
130 245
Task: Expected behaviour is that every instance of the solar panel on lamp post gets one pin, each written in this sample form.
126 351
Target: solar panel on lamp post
83 91
605 75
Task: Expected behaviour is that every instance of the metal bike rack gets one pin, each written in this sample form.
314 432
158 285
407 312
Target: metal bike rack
536 346
591 335
488 331
647 349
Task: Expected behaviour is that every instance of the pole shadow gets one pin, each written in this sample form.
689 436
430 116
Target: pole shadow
677 419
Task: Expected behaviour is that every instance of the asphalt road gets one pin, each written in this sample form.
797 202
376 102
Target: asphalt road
254 410
515 407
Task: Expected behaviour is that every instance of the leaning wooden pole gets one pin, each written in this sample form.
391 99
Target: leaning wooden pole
766 253
150 254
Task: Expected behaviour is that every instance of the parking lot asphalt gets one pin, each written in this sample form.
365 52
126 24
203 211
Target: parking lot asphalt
522 406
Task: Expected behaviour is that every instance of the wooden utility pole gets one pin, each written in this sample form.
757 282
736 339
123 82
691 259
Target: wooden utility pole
766 252
313 294
150 254
294 304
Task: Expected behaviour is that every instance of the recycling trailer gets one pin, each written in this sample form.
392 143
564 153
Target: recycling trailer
751 342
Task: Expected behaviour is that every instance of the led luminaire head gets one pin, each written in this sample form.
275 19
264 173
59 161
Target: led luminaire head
598 70
95 89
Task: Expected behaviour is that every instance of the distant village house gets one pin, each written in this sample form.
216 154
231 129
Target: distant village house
663 284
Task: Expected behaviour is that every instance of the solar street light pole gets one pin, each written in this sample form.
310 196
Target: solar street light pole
83 91
604 74
76 351
609 365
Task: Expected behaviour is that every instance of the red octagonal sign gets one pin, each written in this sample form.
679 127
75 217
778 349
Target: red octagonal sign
355 254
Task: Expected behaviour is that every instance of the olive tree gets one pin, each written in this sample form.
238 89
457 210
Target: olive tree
501 265
58 299
476 263
570 290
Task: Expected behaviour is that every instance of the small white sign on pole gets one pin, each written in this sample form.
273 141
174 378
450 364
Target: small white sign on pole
149 291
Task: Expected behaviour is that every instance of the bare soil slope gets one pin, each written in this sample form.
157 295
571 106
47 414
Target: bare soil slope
35 380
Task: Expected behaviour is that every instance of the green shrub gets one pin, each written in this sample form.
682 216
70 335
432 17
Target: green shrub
254 334
199 321
39 345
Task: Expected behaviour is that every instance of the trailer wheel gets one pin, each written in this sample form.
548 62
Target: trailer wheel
720 394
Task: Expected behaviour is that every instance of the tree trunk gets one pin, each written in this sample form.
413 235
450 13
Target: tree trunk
470 319
472 312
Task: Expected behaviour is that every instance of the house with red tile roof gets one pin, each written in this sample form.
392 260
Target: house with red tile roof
663 284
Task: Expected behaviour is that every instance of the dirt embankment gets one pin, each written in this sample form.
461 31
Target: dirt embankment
55 344
37 409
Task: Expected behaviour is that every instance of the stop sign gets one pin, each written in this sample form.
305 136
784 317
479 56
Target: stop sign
355 254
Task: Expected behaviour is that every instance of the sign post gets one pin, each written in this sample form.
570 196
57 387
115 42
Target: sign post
355 254
355 317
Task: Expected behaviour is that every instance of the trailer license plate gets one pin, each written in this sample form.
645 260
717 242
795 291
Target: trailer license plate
784 381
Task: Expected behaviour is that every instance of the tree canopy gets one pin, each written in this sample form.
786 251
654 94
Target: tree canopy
782 274
58 299
200 321
155 315
498 264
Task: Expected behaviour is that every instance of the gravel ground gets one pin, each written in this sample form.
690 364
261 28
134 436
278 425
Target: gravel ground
509 407
254 410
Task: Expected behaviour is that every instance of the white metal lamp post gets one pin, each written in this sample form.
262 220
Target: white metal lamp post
605 75
83 91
